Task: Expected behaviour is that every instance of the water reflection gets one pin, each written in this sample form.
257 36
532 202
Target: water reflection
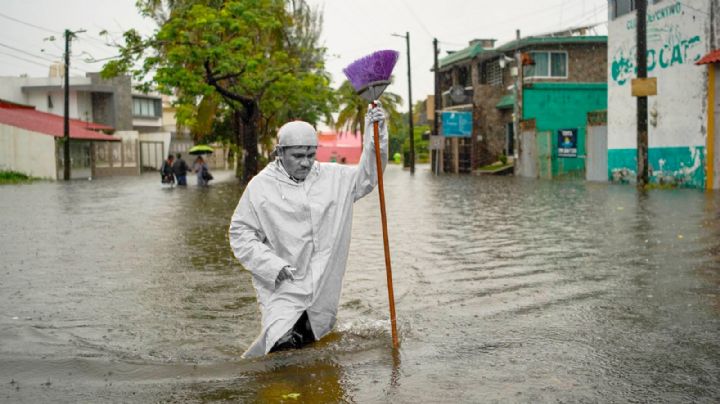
317 382
506 289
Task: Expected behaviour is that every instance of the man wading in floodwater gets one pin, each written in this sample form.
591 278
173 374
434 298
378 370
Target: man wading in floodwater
291 230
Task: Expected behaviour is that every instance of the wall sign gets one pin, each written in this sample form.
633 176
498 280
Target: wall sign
567 143
457 124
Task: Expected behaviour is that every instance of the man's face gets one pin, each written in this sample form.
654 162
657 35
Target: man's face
298 160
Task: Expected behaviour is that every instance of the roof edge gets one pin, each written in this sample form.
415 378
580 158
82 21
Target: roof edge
468 53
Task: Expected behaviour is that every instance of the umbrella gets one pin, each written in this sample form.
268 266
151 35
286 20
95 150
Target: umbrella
200 149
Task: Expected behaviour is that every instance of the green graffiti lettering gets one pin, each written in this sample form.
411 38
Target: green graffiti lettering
663 63
664 12
676 55
620 70
651 62
691 43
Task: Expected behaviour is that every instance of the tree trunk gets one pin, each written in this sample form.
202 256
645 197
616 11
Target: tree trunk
250 120
240 155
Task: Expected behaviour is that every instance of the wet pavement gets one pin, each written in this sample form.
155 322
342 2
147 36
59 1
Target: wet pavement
507 290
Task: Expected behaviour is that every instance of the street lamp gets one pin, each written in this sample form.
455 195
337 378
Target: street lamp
410 113
504 60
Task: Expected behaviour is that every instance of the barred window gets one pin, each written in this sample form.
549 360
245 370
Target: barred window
494 73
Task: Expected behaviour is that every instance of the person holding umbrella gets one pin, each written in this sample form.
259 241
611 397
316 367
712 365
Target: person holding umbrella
291 229
203 173
200 166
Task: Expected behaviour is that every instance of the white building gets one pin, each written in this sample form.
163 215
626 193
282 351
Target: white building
679 33
136 118
31 143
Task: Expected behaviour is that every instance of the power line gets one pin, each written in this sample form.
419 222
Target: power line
592 15
12 62
417 19
588 16
93 60
519 17
88 36
38 63
26 53
581 18
23 59
46 30
452 43
29 24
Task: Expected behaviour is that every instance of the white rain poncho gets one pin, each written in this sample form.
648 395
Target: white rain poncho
307 225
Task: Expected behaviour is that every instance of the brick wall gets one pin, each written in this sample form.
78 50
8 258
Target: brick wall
587 63
489 123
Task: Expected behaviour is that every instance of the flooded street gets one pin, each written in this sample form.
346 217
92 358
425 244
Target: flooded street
507 290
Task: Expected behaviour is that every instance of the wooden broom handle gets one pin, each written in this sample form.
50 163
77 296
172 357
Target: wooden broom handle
386 243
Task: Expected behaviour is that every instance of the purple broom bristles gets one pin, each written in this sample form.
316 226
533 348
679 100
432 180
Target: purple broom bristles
377 66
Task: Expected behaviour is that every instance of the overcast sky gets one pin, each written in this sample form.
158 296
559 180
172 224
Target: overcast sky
351 30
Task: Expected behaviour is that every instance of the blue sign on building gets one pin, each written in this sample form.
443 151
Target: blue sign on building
457 124
567 142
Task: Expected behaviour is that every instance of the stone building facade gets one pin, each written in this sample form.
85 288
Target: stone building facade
482 79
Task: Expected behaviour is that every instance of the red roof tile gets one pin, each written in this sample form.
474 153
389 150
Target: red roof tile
712 57
26 117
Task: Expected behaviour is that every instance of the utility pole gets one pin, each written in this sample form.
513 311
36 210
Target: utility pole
66 116
436 132
642 121
410 117
517 105
410 101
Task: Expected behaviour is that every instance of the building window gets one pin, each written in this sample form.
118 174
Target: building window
146 107
464 76
494 73
619 8
547 64
445 79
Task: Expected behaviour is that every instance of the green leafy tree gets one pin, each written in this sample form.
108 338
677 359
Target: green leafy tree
255 62
353 108
400 142
422 154
398 137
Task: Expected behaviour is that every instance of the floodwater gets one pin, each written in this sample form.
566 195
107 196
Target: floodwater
507 290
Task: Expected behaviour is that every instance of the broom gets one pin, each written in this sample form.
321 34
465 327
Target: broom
370 76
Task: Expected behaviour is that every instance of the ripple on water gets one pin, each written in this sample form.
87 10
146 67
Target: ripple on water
506 290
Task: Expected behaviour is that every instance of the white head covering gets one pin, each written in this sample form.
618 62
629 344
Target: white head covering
297 133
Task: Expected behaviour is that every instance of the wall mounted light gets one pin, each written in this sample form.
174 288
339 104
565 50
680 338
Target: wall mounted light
504 60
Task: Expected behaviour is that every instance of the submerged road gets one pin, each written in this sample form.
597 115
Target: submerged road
507 290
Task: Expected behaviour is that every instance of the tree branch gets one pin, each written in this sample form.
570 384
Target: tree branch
246 102
230 75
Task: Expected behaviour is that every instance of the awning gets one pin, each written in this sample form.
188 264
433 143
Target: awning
712 57
506 102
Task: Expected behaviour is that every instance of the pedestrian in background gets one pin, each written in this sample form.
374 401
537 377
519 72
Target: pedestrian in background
201 169
166 171
180 169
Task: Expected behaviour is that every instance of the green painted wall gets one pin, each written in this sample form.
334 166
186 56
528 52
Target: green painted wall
557 106
680 166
